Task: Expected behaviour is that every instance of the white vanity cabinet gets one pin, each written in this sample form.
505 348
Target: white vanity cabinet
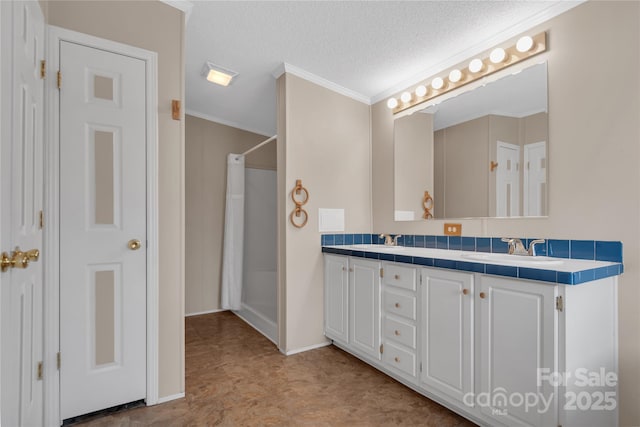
447 332
336 298
516 340
399 319
498 350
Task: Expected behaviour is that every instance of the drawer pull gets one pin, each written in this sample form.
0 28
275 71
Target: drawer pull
396 332
482 295
465 291
397 277
397 359
397 305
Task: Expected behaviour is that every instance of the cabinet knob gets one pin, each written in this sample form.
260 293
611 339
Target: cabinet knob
465 292
482 295
351 270
344 268
396 332
397 305
397 359
397 277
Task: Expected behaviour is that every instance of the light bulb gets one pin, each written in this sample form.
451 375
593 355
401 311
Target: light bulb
437 83
497 55
524 44
476 65
392 103
405 97
455 76
421 91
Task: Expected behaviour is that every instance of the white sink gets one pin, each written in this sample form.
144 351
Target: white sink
518 260
376 247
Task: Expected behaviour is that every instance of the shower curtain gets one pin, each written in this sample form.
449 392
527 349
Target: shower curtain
233 234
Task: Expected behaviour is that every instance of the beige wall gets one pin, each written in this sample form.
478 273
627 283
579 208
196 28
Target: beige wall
207 145
324 141
413 160
129 22
594 151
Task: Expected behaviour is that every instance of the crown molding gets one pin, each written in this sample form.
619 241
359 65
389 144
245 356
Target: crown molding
263 132
184 5
313 78
523 26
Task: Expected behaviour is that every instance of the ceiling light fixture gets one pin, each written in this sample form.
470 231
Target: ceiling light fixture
461 74
217 74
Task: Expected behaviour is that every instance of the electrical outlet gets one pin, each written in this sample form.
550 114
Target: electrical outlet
452 229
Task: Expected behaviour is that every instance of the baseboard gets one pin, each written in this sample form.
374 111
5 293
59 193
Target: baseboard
170 398
303 349
218 310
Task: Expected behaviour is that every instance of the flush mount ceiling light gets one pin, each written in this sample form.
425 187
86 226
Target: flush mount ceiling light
217 74
464 73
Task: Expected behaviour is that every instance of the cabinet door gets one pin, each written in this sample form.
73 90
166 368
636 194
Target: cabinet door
447 332
336 297
364 279
517 340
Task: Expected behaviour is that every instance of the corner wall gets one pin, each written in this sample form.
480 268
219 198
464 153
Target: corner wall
594 153
128 22
324 141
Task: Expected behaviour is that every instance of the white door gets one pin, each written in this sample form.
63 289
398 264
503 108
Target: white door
535 179
21 196
364 307
336 298
447 332
102 229
517 339
508 179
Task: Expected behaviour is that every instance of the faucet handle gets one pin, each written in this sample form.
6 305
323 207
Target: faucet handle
515 245
387 239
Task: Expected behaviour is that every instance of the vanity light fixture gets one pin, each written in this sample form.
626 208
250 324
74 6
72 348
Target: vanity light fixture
476 65
217 74
455 75
493 60
437 83
525 44
392 103
497 55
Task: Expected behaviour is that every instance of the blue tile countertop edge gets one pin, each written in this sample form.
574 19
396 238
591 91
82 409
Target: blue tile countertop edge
609 252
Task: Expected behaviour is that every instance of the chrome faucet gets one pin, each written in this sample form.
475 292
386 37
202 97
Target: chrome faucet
390 241
516 247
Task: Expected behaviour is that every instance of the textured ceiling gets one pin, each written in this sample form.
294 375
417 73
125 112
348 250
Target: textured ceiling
368 47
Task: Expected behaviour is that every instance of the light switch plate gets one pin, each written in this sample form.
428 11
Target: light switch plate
451 229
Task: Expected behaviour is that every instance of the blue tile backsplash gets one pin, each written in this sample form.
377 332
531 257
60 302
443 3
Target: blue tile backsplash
576 249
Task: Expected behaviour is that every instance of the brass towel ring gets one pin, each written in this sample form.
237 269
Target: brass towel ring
296 213
427 205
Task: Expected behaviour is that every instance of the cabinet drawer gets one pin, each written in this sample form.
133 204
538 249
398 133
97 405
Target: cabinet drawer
399 304
402 277
401 332
400 359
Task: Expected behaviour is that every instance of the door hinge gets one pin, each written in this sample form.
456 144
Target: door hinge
59 79
58 360
39 374
559 303
41 220
43 69
381 272
381 348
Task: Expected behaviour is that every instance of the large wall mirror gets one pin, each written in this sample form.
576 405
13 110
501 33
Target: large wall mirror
483 153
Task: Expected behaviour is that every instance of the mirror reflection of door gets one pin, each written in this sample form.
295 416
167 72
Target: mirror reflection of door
508 180
535 179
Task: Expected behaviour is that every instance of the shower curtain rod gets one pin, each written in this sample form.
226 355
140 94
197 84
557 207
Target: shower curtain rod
259 145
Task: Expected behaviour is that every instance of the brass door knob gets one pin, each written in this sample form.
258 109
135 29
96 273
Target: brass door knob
19 259
33 254
134 244
5 262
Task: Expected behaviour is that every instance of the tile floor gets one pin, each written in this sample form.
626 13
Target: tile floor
236 377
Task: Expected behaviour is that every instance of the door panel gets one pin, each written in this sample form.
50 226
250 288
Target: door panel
102 209
508 180
364 306
535 179
22 192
